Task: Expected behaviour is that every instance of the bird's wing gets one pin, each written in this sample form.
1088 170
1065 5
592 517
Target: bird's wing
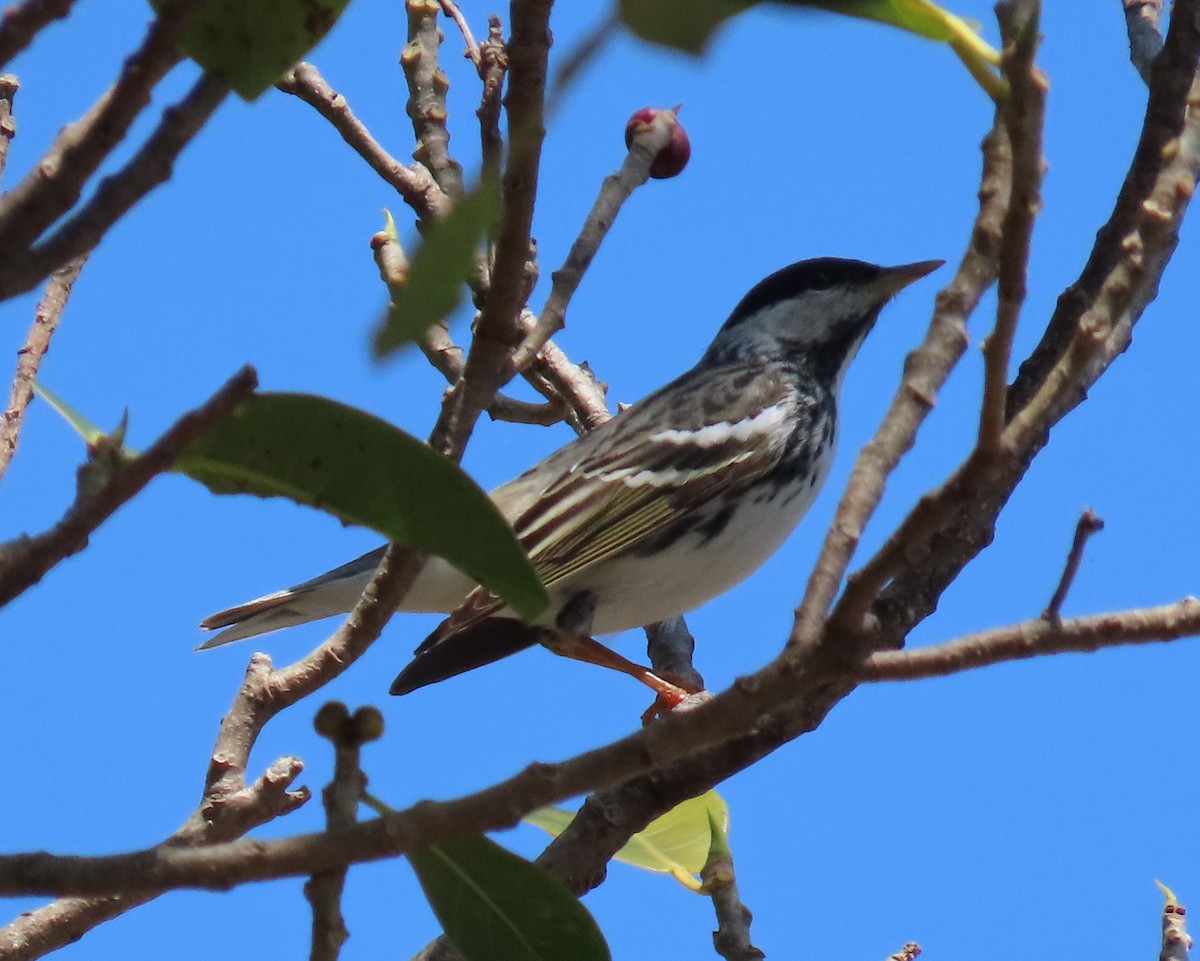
614 495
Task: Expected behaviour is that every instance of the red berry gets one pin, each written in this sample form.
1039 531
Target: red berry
672 158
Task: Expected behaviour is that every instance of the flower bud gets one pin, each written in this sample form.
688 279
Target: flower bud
673 157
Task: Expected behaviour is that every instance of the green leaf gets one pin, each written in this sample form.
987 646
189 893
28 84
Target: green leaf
689 25
364 471
439 269
922 18
677 843
681 24
496 906
250 44
83 427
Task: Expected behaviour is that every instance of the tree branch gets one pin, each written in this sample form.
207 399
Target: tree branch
29 357
925 371
674 758
732 937
1145 40
427 86
498 330
150 166
1035 638
1176 942
1023 113
24 561
443 354
8 123
24 21
614 191
228 809
341 797
492 63
1087 525
1166 112
450 9
951 525
414 183
54 185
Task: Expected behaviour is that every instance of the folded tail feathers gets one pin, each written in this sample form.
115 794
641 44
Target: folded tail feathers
295 605
478 644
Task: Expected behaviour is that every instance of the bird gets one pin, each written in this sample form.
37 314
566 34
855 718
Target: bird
668 504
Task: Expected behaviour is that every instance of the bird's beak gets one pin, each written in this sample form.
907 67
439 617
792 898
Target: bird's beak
895 279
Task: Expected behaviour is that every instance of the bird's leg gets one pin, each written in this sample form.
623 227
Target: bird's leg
571 637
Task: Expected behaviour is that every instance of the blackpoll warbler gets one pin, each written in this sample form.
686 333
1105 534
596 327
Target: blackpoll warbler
670 503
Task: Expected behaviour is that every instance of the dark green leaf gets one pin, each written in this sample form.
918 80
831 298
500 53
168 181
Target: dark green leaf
682 24
496 906
439 269
364 471
250 44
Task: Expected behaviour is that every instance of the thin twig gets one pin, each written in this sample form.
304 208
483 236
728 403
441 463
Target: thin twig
731 940
1145 39
450 9
9 85
427 86
614 191
1165 115
1106 327
341 799
150 166
22 22
554 375
493 66
1023 115
414 183
925 371
444 355
1087 525
498 330
55 184
23 562
29 357
1036 638
1176 942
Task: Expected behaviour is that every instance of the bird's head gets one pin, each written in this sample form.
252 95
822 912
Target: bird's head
819 309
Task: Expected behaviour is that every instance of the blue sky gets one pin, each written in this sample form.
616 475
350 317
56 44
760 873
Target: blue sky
960 812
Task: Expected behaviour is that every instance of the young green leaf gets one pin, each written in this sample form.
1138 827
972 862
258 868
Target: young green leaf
83 427
677 843
364 471
250 44
496 906
689 25
439 269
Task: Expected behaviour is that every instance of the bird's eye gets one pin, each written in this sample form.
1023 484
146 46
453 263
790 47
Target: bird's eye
821 282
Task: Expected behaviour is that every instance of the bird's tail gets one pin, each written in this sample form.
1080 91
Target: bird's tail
270 613
464 650
333 593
